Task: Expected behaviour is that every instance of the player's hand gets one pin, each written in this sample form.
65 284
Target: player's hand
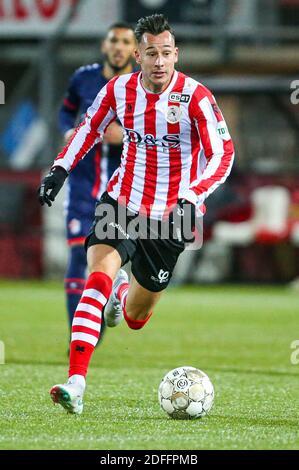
182 221
51 185
184 217
187 210
190 197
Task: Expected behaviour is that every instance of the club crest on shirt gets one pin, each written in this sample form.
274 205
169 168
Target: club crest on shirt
215 109
74 226
173 114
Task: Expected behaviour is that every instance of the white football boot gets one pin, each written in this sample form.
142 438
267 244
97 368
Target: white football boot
70 395
113 312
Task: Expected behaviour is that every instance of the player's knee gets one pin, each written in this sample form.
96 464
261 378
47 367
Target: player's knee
104 259
103 268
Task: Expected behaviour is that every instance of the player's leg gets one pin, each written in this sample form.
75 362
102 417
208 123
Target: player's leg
75 278
140 301
138 304
130 300
78 223
105 255
152 265
107 251
78 228
104 262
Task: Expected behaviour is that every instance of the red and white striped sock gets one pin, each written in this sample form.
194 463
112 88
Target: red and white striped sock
122 294
86 326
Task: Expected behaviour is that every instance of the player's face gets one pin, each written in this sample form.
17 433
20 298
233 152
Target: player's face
118 48
157 56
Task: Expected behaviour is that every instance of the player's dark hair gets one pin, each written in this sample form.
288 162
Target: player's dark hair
153 24
120 25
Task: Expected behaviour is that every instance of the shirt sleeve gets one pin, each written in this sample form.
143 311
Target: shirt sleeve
70 106
98 117
216 143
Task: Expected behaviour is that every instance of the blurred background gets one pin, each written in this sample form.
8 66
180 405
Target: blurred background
245 51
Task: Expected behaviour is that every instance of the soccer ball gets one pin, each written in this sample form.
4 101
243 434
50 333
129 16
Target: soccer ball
186 393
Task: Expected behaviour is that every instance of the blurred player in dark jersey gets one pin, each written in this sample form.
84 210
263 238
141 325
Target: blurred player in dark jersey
88 181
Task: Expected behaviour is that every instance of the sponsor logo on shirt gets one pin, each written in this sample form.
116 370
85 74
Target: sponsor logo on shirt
148 140
179 97
222 130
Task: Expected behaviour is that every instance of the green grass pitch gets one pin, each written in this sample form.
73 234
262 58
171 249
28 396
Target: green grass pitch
240 336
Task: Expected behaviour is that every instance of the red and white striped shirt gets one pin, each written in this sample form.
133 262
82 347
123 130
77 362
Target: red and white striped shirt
176 143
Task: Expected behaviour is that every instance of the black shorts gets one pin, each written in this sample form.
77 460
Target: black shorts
153 255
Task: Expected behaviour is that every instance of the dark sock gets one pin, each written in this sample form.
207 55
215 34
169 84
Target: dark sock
75 279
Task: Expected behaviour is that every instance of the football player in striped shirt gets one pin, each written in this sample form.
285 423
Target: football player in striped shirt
176 151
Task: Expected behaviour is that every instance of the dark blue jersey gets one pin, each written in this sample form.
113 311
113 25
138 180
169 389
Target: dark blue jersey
89 178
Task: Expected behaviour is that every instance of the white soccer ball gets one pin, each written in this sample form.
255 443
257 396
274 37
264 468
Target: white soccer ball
186 393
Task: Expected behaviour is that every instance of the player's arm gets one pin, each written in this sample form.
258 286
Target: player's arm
98 117
217 145
69 109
